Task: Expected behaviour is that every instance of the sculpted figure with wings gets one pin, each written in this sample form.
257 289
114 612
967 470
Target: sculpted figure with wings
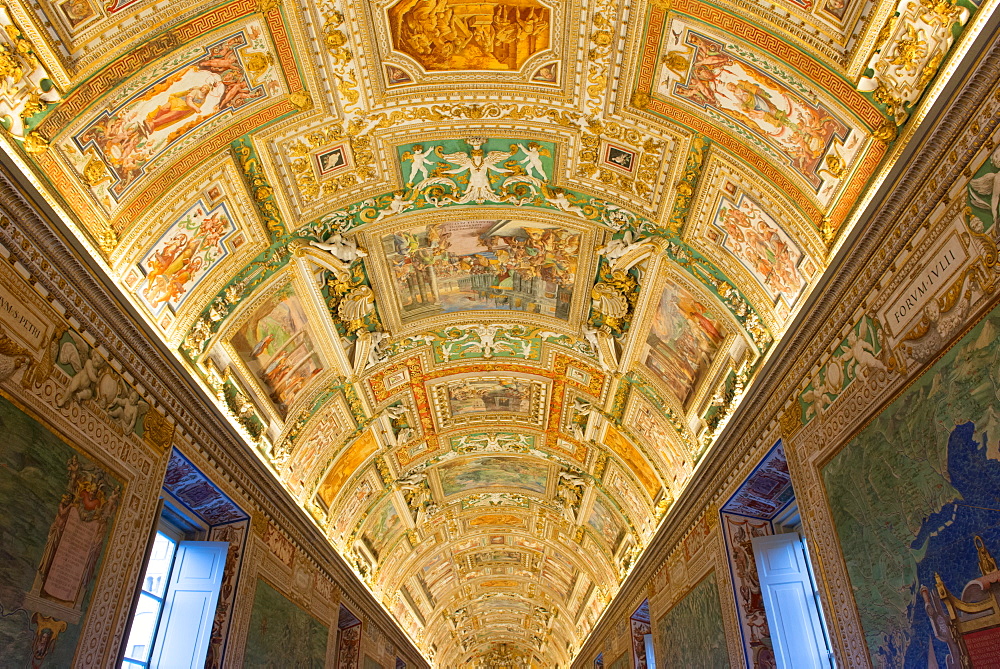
478 164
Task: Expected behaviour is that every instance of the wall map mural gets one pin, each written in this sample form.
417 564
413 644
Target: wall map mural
282 634
59 510
914 501
692 631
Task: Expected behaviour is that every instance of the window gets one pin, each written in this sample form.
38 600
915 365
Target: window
790 596
147 612
643 656
172 624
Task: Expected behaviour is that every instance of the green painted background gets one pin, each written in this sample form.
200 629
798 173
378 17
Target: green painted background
691 634
281 635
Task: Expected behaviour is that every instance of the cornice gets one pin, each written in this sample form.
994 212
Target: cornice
55 266
887 225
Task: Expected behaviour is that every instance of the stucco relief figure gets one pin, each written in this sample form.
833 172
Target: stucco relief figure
343 251
419 159
984 191
570 491
478 164
89 376
466 35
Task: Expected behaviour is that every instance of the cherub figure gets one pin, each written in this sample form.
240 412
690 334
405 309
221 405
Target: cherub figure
532 160
420 161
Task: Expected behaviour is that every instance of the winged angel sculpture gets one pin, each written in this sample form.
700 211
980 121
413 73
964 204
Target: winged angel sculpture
477 164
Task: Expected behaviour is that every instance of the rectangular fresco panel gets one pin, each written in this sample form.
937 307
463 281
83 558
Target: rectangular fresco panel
190 248
382 527
720 80
489 395
692 631
58 510
283 635
633 459
467 265
762 247
277 346
492 472
604 522
174 101
683 341
914 497
348 463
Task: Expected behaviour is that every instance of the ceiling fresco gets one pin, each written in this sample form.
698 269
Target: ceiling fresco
481 282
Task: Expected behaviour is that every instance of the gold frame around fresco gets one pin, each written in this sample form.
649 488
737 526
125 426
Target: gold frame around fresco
377 31
732 330
318 331
388 301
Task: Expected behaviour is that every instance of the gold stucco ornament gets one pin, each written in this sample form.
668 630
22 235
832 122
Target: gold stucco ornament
301 99
34 143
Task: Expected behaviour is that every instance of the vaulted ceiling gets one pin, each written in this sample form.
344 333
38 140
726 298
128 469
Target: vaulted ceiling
481 281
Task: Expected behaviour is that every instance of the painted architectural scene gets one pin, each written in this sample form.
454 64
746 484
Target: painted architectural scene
277 346
683 341
492 472
914 500
605 524
466 35
282 634
191 247
756 240
492 265
489 395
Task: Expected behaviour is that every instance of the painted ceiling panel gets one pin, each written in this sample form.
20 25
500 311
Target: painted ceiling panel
481 282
